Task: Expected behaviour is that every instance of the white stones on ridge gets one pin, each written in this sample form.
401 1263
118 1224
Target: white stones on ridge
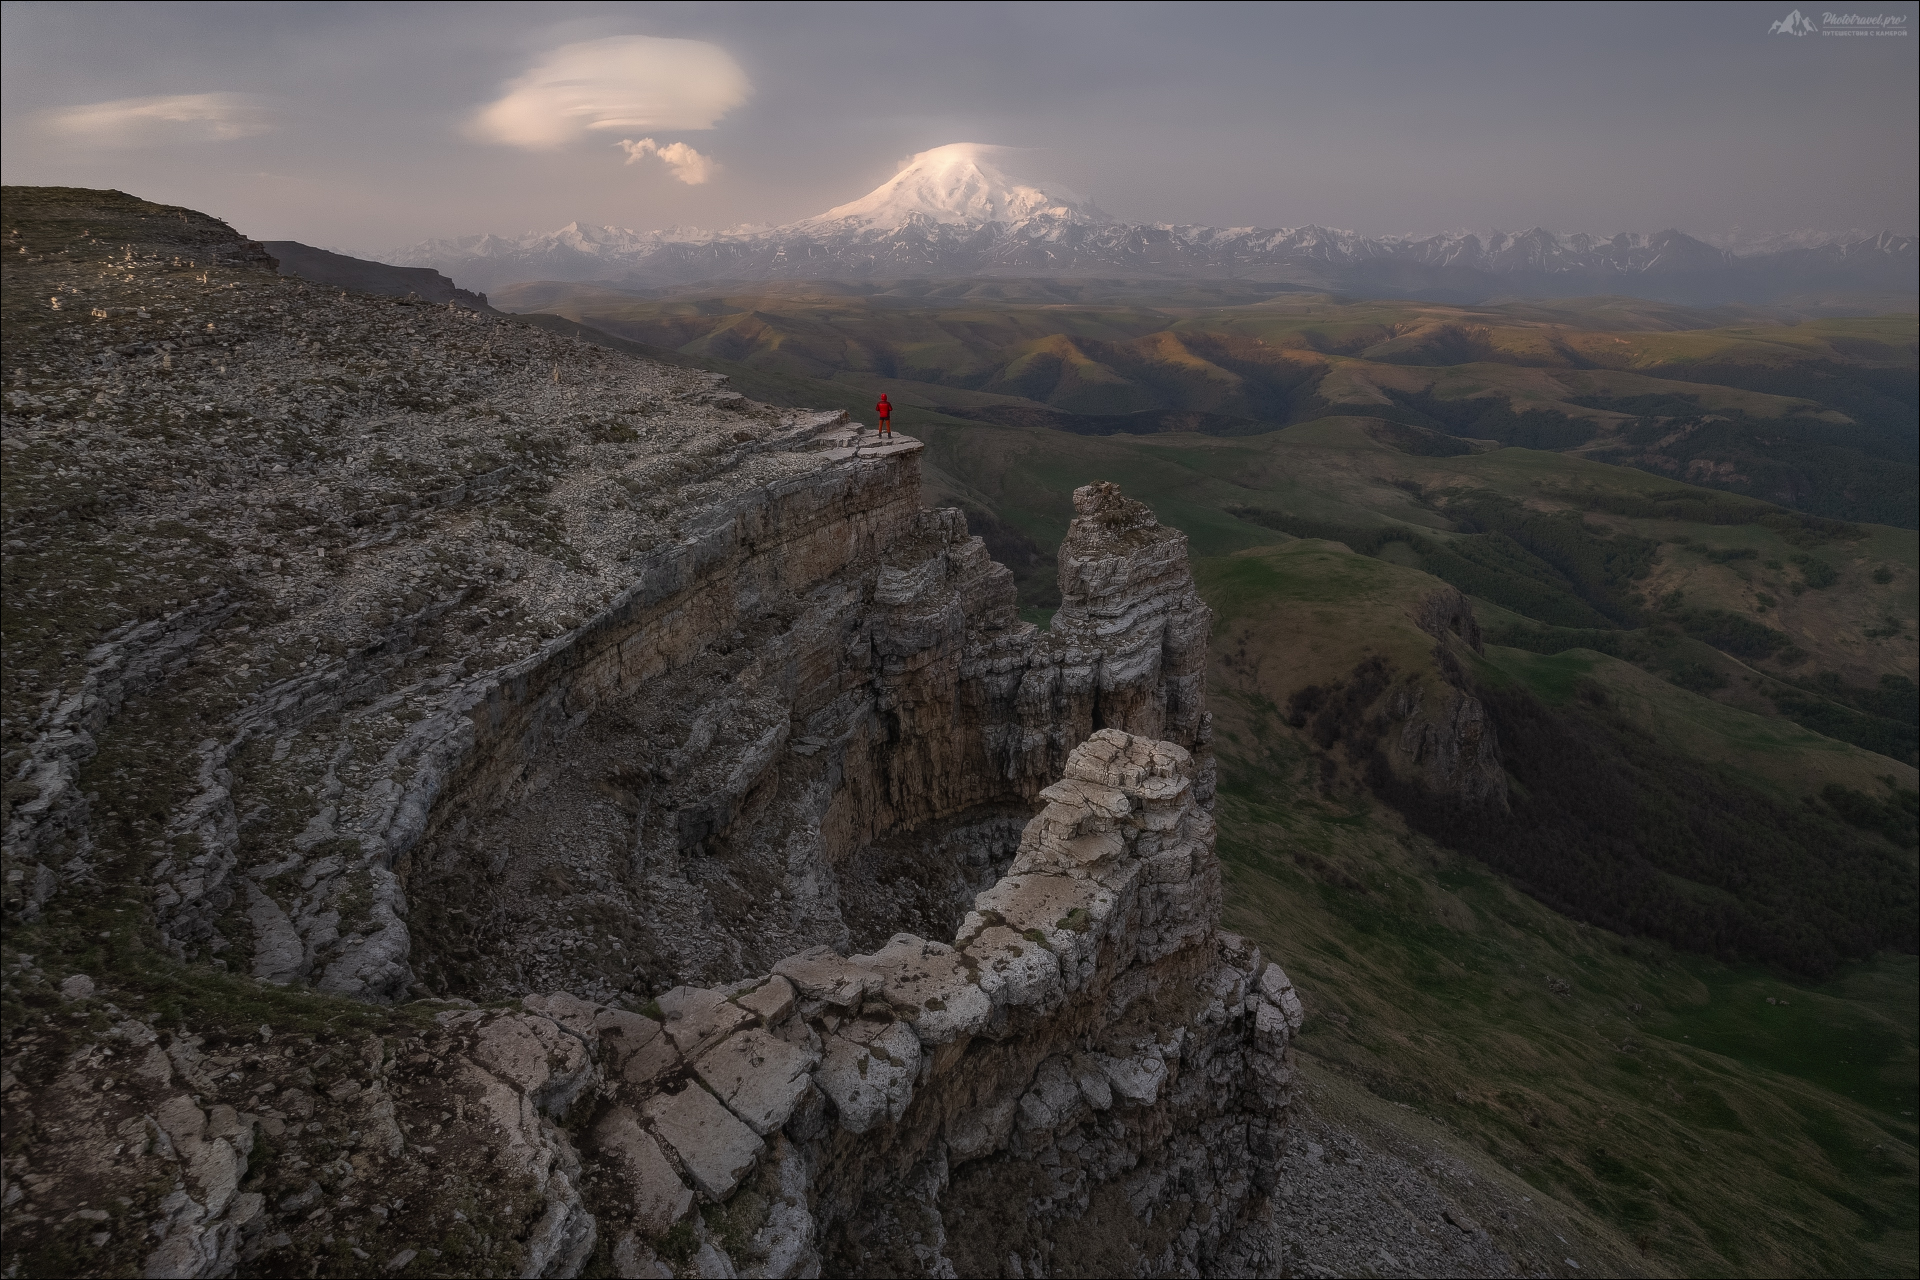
1114 873
1121 845
715 1148
658 1197
698 1019
869 1070
759 1076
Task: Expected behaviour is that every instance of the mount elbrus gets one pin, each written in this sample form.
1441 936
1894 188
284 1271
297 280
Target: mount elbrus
366 655
954 212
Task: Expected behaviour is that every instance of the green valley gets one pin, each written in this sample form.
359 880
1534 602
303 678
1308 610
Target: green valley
1812 411
1670 980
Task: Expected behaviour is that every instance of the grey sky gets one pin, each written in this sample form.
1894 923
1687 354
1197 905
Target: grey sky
355 125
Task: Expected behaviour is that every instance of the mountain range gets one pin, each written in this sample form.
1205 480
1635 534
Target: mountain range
953 211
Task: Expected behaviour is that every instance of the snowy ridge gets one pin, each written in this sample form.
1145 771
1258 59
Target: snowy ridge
953 211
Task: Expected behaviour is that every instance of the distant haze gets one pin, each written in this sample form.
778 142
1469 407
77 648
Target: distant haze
368 127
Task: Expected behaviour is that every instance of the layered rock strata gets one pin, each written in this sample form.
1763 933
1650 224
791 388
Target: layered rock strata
1088 1047
1088 1077
817 723
433 610
432 655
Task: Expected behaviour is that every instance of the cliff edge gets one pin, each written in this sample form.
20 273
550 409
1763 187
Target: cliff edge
483 804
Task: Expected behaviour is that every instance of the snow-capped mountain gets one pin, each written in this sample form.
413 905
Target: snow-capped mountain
955 185
1743 242
953 211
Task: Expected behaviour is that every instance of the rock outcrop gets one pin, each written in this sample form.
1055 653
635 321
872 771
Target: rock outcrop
1088 1076
1087 1047
323 266
819 723
1446 739
431 659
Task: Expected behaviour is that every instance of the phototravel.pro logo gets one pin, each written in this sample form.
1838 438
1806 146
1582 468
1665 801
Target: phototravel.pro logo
1841 24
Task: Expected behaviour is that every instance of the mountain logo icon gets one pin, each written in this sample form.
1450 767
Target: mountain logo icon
1794 24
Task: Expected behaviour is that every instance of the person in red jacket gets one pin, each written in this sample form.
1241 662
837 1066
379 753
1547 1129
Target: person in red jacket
885 411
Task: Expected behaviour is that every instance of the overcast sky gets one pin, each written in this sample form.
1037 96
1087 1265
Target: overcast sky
365 127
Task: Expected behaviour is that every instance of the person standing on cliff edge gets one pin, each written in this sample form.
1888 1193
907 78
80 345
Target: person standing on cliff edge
885 411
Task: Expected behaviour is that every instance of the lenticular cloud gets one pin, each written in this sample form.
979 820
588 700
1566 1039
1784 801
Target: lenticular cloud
622 82
211 117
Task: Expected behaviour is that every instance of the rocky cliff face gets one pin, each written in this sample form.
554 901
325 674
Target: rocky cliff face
821 722
1446 739
374 659
1088 1077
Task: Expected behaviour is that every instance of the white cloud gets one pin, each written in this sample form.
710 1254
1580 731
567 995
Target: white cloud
687 164
623 82
193 117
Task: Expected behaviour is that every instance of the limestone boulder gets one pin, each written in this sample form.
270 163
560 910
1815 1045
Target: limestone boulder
1013 970
535 1056
869 1071
635 1050
698 1018
772 1001
820 974
658 1198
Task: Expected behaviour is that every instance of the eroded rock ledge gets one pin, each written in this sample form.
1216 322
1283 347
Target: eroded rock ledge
435 657
820 724
1090 1077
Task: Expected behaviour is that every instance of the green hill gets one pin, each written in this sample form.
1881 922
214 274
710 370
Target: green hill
1817 414
1673 981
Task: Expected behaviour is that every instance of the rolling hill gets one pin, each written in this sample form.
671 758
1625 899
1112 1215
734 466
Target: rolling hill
1669 978
1816 414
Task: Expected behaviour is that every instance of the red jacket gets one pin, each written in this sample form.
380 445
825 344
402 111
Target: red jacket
884 409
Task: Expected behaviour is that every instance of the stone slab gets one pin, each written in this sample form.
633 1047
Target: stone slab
1015 971
635 1048
715 1147
820 974
930 985
660 1198
697 1019
571 1012
758 1075
534 1055
772 1001
1092 799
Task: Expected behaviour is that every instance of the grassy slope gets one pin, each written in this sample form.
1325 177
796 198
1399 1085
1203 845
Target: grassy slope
1097 348
1722 1134
1332 470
